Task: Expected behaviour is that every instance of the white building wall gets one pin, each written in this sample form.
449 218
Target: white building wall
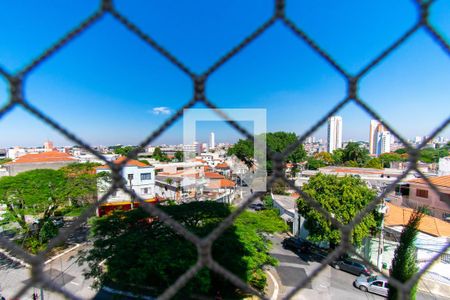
144 188
444 166
334 133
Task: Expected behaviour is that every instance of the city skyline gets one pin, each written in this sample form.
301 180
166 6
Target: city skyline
106 97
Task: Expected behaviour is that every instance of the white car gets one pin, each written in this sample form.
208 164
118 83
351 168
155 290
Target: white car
374 284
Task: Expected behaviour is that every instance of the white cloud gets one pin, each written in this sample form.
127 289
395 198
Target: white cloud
163 110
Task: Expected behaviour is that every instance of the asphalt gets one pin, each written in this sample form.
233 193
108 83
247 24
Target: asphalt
328 284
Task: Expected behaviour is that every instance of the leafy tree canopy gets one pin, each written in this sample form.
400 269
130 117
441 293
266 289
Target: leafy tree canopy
374 163
37 192
355 152
4 160
404 262
160 255
388 158
276 142
159 155
428 155
314 164
179 155
124 151
325 157
343 197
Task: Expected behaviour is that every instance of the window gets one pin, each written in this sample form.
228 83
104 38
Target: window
445 198
180 168
144 191
422 193
146 176
378 283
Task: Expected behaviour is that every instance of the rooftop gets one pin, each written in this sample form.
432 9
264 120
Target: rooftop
399 216
222 183
213 175
43 157
442 181
131 162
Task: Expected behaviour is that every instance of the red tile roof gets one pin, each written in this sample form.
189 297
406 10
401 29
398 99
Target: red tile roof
213 175
131 162
443 181
223 166
222 183
44 157
399 216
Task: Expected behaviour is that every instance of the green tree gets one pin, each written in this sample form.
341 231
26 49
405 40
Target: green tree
342 197
160 255
276 142
404 262
124 151
179 155
159 155
388 158
338 156
243 150
314 164
325 157
401 151
354 152
374 163
81 184
5 160
37 192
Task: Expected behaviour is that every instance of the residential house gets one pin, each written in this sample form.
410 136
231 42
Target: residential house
219 188
421 194
44 160
139 177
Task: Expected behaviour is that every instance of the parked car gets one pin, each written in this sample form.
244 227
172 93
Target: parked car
257 206
350 265
296 244
374 284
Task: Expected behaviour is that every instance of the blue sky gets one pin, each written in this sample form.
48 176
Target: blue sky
105 85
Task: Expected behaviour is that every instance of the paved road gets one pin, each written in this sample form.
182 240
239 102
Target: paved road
328 284
63 270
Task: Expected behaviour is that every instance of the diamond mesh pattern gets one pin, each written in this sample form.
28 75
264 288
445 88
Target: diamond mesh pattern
16 98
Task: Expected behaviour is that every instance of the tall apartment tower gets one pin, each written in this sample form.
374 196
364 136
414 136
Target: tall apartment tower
379 138
212 142
372 136
334 133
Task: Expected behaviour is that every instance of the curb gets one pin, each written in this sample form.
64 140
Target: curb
15 259
276 288
61 254
122 293
27 265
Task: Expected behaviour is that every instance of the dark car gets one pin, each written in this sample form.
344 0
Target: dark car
351 265
296 245
257 206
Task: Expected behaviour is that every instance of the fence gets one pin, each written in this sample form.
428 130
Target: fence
16 98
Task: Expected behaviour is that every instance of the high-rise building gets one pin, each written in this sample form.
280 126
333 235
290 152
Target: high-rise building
379 138
334 133
384 142
212 142
372 136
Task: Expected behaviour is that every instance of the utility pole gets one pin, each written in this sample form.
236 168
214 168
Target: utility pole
382 209
130 178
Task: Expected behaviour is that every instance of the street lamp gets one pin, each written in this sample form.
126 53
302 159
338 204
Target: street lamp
130 178
382 209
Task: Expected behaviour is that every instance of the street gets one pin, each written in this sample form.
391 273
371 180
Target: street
62 269
328 284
